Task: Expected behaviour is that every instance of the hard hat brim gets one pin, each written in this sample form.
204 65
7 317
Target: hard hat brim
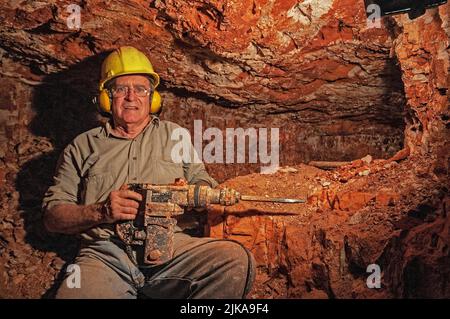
153 75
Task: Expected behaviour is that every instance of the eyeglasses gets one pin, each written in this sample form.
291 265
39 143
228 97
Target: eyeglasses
121 91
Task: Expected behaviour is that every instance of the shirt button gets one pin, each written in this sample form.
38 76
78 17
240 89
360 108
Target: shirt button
135 158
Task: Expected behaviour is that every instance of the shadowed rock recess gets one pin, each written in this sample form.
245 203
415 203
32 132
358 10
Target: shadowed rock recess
336 89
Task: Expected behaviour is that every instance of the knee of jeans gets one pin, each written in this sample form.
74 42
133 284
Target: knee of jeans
230 250
242 260
235 253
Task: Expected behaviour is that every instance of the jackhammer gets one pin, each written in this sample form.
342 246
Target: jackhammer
154 225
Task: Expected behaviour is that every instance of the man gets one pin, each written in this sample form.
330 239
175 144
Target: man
89 196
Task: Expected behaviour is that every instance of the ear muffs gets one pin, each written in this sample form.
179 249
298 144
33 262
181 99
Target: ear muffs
155 102
105 101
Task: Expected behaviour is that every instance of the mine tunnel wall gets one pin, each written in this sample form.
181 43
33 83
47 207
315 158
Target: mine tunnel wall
58 107
423 52
334 91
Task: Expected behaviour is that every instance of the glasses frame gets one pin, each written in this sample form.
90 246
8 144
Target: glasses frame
128 89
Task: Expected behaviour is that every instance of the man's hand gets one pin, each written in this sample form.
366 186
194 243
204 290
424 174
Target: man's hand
121 204
64 218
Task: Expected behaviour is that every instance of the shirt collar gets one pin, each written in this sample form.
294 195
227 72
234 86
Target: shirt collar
106 130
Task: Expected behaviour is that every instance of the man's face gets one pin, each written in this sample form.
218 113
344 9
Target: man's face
130 108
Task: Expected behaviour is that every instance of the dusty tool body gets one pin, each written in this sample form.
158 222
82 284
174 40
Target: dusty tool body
154 225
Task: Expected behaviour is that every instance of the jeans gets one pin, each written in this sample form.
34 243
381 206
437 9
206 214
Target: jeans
200 268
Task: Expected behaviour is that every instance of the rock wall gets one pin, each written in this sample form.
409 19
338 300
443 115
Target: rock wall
292 66
392 214
423 51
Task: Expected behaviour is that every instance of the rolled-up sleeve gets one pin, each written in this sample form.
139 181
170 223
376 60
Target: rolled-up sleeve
66 180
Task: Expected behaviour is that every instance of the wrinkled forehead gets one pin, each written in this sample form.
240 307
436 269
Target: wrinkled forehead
132 80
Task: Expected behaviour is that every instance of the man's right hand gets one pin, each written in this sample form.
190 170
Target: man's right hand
121 204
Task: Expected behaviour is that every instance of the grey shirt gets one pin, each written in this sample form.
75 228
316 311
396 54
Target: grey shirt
98 162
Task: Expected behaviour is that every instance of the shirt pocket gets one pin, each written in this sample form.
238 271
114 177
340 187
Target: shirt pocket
98 183
167 172
96 167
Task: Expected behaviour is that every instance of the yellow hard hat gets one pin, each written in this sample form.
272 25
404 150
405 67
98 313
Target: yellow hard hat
122 61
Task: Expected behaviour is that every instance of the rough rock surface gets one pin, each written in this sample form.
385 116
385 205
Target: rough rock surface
395 217
312 68
337 90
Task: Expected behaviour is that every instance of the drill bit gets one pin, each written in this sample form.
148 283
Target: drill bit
271 199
